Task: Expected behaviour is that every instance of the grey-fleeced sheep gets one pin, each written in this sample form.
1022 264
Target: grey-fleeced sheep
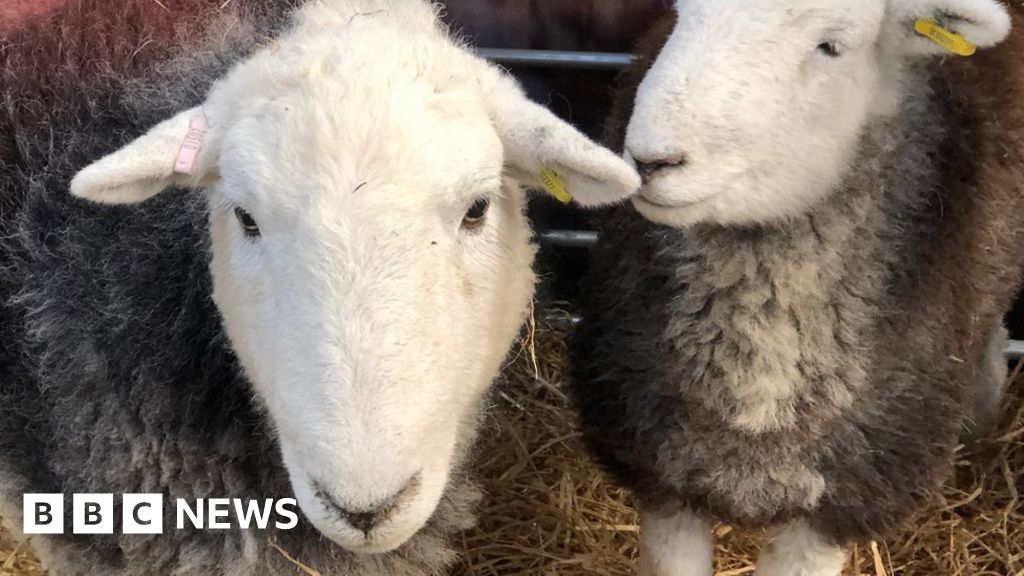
301 286
799 340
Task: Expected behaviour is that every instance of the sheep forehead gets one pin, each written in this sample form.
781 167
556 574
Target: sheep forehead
779 10
340 14
368 38
729 53
325 114
757 19
327 146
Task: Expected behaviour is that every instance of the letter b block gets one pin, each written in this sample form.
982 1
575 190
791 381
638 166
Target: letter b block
92 514
43 514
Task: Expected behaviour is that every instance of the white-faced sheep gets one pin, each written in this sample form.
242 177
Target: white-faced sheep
797 339
349 228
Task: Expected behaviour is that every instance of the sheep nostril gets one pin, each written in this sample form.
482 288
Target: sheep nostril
364 519
648 168
365 522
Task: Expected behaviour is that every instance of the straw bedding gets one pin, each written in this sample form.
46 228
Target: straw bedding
549 511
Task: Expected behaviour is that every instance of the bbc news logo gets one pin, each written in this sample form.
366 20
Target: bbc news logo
144 514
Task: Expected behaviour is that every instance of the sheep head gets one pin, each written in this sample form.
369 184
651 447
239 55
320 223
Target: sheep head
753 110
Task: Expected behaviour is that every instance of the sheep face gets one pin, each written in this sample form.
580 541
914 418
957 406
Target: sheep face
371 259
389 277
753 110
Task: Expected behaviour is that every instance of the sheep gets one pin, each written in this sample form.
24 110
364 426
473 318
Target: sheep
299 282
789 326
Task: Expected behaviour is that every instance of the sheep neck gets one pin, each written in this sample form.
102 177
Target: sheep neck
784 314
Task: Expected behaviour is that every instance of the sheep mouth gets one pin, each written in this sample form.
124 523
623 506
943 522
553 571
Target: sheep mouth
645 202
679 196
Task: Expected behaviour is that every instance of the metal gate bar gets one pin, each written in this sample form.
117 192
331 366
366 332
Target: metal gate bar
1015 350
568 238
557 59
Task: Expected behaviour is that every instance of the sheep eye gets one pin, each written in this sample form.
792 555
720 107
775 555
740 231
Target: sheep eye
247 222
476 214
829 49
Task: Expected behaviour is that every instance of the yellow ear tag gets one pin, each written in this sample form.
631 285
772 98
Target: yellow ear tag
555 185
951 41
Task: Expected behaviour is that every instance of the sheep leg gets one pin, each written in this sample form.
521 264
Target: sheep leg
798 550
675 544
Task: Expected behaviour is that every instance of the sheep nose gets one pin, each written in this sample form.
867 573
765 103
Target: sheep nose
648 167
364 518
365 522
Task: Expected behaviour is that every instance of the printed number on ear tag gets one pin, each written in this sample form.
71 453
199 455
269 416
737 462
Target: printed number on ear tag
951 41
555 185
189 151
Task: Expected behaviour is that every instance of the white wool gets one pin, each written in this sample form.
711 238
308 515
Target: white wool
676 544
797 550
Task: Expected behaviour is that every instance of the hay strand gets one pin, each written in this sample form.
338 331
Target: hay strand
305 569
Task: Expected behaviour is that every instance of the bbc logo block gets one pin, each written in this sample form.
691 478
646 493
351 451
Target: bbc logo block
142 514
92 513
43 514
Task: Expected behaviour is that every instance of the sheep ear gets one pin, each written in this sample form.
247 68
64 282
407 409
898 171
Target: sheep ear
538 145
979 23
176 152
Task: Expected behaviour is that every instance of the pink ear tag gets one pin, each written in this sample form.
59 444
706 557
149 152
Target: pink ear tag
186 162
